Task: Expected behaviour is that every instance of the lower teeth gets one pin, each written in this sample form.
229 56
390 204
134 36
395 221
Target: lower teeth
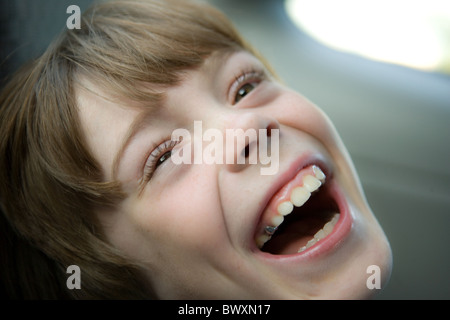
322 233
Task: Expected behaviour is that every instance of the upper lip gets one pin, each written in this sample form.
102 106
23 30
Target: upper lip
283 178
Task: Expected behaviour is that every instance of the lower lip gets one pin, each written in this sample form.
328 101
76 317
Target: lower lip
331 242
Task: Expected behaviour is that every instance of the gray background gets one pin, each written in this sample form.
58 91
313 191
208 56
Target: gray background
395 122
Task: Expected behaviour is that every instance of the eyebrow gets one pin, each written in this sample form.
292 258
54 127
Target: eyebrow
135 127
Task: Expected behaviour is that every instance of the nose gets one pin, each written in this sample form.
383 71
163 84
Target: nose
246 135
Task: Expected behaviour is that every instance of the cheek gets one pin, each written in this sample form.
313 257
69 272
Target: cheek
303 115
181 216
300 113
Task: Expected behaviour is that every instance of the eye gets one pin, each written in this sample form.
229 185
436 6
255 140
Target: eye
158 156
244 90
244 84
163 158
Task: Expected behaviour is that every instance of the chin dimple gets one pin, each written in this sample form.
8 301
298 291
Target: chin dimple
297 197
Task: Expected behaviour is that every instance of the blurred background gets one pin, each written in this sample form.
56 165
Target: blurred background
380 70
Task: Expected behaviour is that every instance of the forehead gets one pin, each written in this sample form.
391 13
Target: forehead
104 121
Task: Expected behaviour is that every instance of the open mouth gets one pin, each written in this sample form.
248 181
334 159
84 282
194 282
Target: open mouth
302 214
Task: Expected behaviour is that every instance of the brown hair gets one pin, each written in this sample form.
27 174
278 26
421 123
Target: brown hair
50 184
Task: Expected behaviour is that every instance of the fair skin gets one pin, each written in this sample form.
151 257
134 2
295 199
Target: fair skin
193 227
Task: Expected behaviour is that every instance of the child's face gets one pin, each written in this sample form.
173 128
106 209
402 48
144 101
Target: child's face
198 228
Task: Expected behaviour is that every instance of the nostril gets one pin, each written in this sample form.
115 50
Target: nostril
267 132
271 127
246 151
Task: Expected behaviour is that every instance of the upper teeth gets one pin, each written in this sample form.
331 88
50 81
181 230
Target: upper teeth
299 195
270 230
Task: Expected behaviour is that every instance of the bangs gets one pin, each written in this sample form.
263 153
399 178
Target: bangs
123 46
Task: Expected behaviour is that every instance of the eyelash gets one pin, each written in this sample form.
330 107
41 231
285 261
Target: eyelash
244 78
155 156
